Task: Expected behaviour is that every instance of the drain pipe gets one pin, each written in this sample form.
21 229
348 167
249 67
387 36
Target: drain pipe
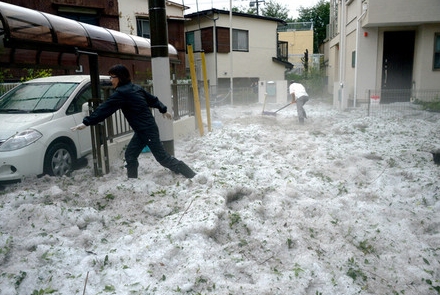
365 9
342 56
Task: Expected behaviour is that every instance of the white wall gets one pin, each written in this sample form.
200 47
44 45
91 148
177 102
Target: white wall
424 77
281 90
129 9
366 38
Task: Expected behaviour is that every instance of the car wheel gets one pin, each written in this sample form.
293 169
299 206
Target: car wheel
59 160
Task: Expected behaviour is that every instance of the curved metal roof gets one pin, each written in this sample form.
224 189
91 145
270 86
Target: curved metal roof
31 37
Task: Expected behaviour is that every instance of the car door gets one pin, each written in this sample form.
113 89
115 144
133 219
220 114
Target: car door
75 110
82 137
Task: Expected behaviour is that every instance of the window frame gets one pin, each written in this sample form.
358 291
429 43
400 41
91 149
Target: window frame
240 40
194 38
436 53
140 27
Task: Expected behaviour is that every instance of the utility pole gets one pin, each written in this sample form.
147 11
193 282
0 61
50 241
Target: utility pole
160 63
253 3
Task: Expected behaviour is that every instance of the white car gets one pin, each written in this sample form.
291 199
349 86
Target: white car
36 117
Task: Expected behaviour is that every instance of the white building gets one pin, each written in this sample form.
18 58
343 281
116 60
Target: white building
382 45
257 55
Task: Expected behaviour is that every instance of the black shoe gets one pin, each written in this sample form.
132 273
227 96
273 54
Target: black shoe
183 169
132 173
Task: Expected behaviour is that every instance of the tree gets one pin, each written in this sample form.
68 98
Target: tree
320 16
270 9
276 10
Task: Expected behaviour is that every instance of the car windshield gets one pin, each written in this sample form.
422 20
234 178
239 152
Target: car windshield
36 97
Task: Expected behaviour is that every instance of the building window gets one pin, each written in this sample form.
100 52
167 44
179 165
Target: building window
437 52
143 27
353 59
203 40
240 40
193 38
81 14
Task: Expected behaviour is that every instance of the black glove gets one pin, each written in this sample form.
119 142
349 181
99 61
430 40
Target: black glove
163 110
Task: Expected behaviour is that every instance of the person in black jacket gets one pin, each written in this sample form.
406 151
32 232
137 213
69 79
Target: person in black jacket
135 103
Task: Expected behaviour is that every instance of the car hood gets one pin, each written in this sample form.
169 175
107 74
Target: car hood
13 123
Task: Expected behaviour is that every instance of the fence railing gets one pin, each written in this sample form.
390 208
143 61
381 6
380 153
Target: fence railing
182 103
116 125
402 101
5 87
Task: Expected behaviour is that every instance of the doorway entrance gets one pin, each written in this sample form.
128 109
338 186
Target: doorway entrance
397 66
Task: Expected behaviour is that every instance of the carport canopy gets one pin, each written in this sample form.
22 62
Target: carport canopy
29 37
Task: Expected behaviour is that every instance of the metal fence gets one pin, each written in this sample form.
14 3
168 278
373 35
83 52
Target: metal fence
116 125
5 87
401 102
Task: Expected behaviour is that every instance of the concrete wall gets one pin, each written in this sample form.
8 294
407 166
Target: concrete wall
398 12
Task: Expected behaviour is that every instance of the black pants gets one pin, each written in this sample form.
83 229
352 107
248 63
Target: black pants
151 138
300 102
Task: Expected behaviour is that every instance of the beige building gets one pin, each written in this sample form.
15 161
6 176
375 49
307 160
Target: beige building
382 46
299 38
256 54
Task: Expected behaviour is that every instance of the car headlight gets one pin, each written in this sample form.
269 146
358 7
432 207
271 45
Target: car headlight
20 140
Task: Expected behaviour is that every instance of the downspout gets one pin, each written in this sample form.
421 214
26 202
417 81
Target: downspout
215 84
231 63
342 56
364 8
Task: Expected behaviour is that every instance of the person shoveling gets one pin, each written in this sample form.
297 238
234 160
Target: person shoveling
275 112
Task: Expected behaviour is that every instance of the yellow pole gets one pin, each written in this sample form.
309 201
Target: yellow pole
192 69
205 84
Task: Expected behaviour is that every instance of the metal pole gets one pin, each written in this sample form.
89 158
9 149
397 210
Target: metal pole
231 79
160 63
97 132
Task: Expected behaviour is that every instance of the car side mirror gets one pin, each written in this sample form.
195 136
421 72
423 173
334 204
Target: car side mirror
85 109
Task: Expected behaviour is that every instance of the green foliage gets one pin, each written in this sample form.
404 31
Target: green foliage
313 81
19 278
109 288
433 106
276 10
36 73
434 288
268 9
320 16
354 270
297 270
44 291
4 73
234 218
365 247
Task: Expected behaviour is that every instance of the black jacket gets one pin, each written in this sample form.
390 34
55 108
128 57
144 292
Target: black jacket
134 102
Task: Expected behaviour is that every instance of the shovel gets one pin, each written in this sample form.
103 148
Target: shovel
275 113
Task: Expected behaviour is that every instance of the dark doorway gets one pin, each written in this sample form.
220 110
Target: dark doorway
397 66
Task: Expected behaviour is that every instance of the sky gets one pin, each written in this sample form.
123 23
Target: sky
344 204
292 5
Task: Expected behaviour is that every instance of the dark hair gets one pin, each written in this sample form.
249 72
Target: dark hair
122 73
